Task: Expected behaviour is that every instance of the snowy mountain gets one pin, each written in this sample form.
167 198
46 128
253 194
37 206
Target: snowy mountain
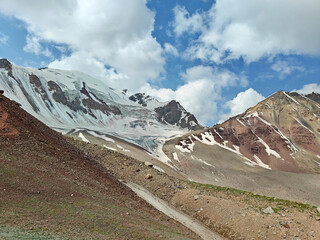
70 100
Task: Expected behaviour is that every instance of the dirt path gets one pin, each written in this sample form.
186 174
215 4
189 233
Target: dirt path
184 219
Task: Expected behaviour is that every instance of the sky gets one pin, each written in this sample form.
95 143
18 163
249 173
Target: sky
217 58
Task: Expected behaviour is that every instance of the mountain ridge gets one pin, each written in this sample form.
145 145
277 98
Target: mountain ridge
71 100
279 133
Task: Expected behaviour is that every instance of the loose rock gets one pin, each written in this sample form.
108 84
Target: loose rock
149 164
268 210
148 176
196 197
286 225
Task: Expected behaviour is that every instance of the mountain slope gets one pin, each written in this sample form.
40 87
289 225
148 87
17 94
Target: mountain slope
272 149
280 133
69 100
50 189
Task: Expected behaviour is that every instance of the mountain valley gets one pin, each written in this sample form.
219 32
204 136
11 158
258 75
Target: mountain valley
101 139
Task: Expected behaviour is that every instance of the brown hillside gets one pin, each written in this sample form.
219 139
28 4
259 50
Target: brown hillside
49 188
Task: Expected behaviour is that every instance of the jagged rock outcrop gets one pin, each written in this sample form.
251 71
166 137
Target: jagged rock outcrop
141 98
173 113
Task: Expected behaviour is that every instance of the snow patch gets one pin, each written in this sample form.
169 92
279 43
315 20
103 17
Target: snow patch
160 154
83 138
192 123
186 147
208 138
217 133
237 148
122 148
158 168
181 149
317 163
260 163
241 122
101 136
268 149
175 156
291 98
205 163
110 148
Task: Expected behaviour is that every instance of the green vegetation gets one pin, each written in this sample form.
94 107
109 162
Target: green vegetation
280 204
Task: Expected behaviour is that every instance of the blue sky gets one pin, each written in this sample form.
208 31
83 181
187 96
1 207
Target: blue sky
215 57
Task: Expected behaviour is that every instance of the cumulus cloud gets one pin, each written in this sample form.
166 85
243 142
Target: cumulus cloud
184 22
284 68
201 91
242 102
105 30
309 88
251 29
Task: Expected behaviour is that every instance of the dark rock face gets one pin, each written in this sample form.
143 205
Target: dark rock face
172 114
43 68
4 63
75 105
60 97
101 105
37 85
141 98
314 96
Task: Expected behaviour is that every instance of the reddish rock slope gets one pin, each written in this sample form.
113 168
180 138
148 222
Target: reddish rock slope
280 133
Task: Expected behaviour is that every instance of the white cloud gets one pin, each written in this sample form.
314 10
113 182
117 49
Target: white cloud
184 22
309 88
114 33
169 49
284 68
201 91
33 46
242 102
90 65
3 39
252 29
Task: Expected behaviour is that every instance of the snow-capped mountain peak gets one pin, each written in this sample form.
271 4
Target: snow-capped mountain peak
71 100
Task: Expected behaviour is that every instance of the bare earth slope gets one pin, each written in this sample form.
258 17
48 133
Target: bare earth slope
50 189
232 213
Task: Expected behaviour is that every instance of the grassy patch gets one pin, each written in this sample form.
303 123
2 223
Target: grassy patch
281 204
